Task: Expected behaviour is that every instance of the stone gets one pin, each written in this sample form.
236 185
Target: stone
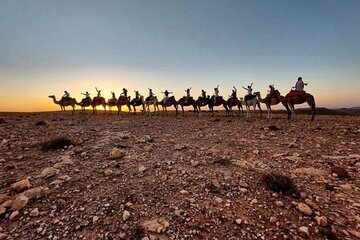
126 215
108 172
34 212
216 183
34 192
179 146
95 219
3 236
322 221
49 172
311 171
355 233
218 200
194 163
57 182
13 215
20 185
253 201
4 197
157 225
279 203
238 221
184 192
304 230
66 160
19 202
346 186
2 210
142 168
340 172
304 208
65 178
273 219
243 190
116 153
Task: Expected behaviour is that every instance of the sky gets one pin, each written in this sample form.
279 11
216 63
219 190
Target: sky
50 46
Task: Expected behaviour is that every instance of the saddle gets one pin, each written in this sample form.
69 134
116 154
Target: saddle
86 100
112 100
296 94
249 97
149 98
66 99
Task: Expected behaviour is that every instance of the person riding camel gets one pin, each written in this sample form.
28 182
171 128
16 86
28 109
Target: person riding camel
98 92
166 97
299 86
271 91
86 94
233 95
203 93
66 95
216 93
124 93
188 97
249 90
137 95
151 95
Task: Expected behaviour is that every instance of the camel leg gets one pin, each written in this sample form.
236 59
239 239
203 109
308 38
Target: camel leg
311 101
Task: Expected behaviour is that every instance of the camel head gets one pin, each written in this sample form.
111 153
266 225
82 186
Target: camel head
51 96
257 93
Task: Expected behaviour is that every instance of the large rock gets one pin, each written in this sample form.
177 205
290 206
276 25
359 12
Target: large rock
20 185
34 192
340 171
3 198
2 210
305 209
157 225
19 202
66 160
49 172
13 215
116 153
311 171
126 215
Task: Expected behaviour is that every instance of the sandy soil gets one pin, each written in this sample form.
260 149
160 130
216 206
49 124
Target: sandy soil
181 178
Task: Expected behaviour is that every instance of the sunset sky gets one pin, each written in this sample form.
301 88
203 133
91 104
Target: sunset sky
47 47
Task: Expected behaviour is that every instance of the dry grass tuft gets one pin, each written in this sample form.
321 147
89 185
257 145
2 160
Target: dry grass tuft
40 123
280 183
273 128
56 143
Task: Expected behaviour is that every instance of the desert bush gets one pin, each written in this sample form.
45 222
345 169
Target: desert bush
56 143
273 128
280 183
40 123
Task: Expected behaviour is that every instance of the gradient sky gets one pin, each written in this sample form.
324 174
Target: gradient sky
47 47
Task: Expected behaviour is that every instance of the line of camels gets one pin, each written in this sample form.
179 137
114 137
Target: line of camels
291 99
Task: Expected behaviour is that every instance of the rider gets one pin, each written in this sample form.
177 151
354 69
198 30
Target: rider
166 97
98 92
216 93
187 95
299 86
137 95
271 91
124 93
249 91
86 94
66 95
203 93
151 95
233 94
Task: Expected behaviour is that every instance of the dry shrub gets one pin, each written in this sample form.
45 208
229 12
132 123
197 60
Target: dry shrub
273 128
40 123
138 233
340 171
56 143
280 183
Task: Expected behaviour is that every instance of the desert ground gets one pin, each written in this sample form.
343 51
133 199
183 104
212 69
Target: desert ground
186 177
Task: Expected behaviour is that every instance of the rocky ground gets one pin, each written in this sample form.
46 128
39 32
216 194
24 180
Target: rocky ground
161 177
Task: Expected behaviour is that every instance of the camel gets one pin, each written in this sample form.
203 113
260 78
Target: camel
85 102
234 102
112 102
170 102
219 101
251 102
65 102
123 101
274 100
96 102
201 102
138 102
152 101
294 98
187 102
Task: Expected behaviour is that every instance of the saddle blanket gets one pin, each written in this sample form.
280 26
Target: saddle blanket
296 94
249 97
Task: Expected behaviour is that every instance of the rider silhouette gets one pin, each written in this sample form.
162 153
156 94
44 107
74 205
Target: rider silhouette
249 90
124 93
187 95
98 92
203 93
216 93
86 94
66 95
166 97
299 86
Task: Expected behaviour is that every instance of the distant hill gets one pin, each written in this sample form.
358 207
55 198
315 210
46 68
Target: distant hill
349 111
326 111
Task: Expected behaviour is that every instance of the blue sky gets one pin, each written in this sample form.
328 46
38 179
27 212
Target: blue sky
49 46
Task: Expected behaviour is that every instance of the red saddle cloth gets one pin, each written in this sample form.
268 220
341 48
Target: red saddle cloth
296 94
